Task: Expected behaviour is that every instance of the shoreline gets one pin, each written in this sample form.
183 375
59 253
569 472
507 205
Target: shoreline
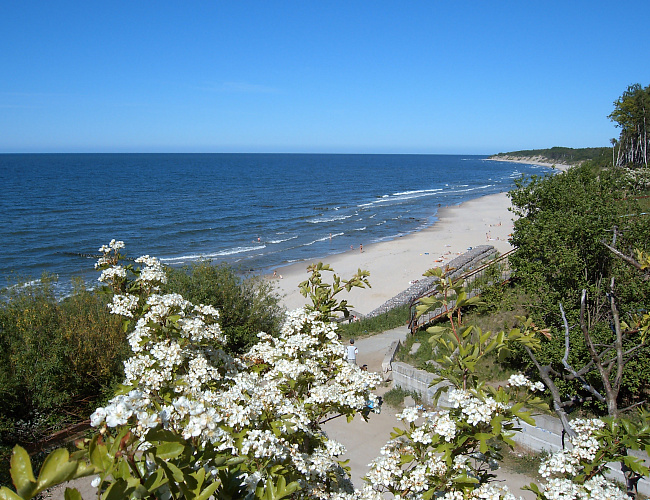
395 263
518 159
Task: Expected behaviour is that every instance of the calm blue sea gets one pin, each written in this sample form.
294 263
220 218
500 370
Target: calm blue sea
256 211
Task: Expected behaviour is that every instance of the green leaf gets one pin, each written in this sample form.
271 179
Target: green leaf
116 491
7 494
155 481
428 495
483 437
496 424
22 474
167 451
98 454
72 494
207 492
172 471
56 469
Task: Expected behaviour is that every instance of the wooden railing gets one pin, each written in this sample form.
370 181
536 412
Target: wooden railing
495 271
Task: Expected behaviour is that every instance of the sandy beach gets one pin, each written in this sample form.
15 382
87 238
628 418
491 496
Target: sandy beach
394 264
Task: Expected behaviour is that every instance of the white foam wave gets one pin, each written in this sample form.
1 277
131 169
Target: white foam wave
361 228
329 219
222 253
325 238
402 196
418 191
282 241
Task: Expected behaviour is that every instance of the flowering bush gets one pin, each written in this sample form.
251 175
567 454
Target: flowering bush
193 421
578 472
454 450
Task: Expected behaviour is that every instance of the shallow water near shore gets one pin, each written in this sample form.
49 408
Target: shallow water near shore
255 211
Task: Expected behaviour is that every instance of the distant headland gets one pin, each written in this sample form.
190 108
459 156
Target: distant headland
558 156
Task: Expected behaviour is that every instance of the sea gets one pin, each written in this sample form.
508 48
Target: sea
256 212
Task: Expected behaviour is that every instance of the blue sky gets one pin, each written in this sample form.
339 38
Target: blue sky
363 77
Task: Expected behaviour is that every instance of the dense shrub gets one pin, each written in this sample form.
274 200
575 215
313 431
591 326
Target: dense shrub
57 358
564 220
247 304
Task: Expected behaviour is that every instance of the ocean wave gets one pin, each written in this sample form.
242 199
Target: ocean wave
403 196
417 191
360 228
478 188
330 219
222 253
318 240
282 241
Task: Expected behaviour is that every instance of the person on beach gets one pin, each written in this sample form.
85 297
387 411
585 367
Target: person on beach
361 248
352 353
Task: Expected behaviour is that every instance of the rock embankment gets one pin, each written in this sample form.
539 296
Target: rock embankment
461 264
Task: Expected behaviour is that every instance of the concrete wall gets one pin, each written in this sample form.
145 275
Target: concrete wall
546 435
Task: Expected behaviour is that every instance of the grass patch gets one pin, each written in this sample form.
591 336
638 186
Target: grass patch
522 461
398 316
395 397
423 354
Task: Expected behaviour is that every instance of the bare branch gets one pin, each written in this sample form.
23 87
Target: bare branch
558 405
627 259
619 340
635 405
610 393
565 361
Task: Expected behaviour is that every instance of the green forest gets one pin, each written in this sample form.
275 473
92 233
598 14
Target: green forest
562 155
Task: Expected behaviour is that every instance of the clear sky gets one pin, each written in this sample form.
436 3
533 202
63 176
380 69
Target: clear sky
305 76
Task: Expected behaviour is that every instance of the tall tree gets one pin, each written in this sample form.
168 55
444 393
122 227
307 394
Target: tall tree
631 115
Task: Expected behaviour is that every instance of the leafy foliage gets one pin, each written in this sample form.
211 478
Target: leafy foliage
321 295
247 305
563 222
56 355
632 115
563 155
248 427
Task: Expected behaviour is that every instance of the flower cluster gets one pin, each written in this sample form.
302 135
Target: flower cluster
563 466
263 410
440 450
265 406
475 410
596 488
520 380
110 254
583 448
